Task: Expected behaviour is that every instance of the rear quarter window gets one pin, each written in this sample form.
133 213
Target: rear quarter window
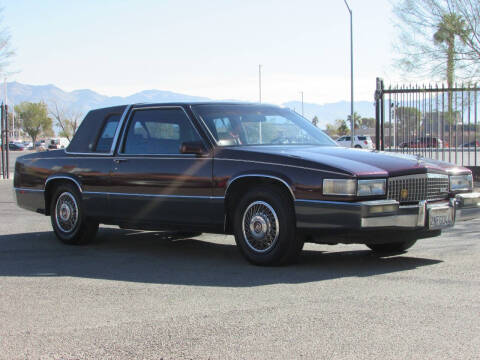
88 138
107 134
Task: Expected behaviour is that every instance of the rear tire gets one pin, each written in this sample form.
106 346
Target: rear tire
392 248
67 215
265 227
358 147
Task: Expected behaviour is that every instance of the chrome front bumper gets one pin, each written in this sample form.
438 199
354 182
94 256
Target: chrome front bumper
369 215
462 207
467 206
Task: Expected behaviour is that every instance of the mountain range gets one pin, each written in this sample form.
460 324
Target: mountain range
85 100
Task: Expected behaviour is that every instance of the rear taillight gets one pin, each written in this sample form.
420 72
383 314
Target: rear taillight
366 142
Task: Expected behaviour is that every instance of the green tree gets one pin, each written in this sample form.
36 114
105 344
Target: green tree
331 130
66 120
428 31
409 120
315 121
448 29
34 119
368 123
342 127
357 120
451 27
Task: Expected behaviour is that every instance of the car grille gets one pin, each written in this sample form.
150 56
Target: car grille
414 188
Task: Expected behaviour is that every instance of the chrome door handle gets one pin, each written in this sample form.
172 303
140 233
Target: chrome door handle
118 161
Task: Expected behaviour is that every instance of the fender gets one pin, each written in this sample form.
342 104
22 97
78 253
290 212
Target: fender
286 184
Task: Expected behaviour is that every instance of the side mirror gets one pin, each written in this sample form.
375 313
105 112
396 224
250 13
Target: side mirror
193 147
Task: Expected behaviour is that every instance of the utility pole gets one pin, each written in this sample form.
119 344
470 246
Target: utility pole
260 136
351 74
260 83
13 122
302 102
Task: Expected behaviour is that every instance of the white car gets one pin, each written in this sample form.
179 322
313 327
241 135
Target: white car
359 142
28 145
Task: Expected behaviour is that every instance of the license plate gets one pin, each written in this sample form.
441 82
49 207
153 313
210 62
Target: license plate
440 218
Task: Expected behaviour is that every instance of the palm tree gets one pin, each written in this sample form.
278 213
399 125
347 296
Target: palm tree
451 27
357 120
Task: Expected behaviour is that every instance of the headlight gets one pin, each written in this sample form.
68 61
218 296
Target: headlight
461 182
339 186
371 187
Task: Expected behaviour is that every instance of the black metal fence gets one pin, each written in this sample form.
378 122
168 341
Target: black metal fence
4 142
431 121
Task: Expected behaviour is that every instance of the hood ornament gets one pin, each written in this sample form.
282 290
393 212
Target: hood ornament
419 160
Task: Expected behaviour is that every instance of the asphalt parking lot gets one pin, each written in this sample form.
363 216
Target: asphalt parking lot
140 295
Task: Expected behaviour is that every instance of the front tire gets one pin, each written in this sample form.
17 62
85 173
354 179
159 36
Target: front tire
265 227
67 215
392 248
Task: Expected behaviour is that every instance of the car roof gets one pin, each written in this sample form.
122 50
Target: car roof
186 103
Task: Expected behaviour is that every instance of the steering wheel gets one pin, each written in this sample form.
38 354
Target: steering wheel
282 140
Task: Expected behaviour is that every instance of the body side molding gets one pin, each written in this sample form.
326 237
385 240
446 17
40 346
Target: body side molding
65 177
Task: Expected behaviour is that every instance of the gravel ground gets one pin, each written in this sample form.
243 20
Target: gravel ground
140 295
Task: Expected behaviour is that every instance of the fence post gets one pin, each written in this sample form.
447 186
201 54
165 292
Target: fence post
2 141
382 118
7 139
379 114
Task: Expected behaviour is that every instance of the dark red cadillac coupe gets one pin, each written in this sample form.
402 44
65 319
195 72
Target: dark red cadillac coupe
260 172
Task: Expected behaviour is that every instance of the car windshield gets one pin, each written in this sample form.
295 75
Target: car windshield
233 125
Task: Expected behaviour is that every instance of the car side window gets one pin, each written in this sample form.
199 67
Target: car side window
224 130
107 134
158 131
341 139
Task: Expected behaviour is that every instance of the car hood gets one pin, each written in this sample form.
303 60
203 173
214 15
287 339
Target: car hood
365 163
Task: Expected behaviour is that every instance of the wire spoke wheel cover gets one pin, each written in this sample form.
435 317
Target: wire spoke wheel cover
260 226
66 212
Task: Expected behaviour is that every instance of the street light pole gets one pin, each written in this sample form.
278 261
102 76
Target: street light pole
302 102
351 73
260 83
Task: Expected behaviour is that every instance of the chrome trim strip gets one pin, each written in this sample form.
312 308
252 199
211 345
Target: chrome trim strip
380 202
53 177
154 195
124 131
409 221
146 156
114 141
119 128
80 153
231 181
153 157
288 165
329 202
419 176
30 190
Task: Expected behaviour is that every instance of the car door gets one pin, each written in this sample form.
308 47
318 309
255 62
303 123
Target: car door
152 181
346 141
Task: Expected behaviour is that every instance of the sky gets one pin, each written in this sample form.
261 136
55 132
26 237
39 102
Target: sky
204 48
